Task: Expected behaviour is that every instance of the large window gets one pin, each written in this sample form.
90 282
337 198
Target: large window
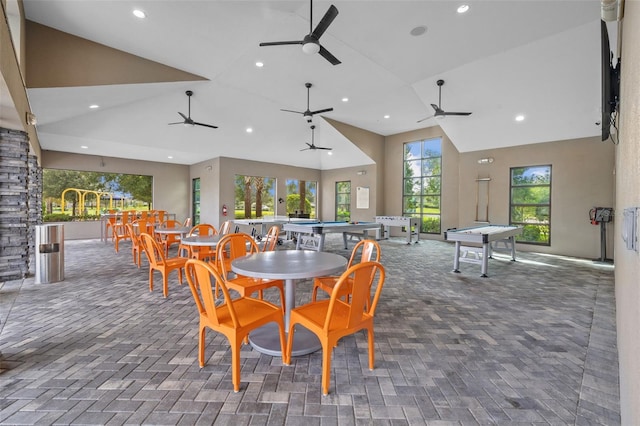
343 201
254 196
195 203
530 203
422 183
301 198
77 194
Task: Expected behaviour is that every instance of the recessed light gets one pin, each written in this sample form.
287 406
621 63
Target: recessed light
329 153
170 157
345 99
139 14
249 130
94 106
259 64
520 117
387 116
463 8
418 31
84 147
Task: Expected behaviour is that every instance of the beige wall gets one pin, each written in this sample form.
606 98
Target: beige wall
581 178
351 174
171 185
217 183
628 195
394 170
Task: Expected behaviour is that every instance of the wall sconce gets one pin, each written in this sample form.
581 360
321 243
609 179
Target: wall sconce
209 168
31 119
361 172
280 200
487 160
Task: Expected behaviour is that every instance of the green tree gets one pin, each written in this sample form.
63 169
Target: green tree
139 187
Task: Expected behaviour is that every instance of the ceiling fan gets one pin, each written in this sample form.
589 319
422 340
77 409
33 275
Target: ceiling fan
312 145
439 113
311 42
308 114
187 118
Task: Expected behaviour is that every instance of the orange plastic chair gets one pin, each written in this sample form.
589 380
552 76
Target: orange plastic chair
111 222
236 245
204 252
270 241
235 319
167 240
334 318
158 262
136 246
120 230
225 228
160 214
369 251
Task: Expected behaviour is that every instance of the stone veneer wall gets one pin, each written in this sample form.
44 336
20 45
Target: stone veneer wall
20 179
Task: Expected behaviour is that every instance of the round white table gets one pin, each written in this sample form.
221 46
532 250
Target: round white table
204 240
287 265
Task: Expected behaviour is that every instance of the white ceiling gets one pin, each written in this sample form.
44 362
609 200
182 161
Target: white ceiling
500 59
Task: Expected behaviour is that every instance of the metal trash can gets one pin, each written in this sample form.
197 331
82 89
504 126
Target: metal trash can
49 253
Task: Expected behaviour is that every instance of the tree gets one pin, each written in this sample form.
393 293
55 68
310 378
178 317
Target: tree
139 187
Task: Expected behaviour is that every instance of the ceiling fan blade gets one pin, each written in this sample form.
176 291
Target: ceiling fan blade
426 118
179 122
455 113
205 125
281 43
321 147
437 109
326 20
183 116
328 56
288 110
320 111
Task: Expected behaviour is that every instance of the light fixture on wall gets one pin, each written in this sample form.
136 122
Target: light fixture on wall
31 119
487 160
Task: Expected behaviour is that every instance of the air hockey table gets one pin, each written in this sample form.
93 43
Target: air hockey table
321 229
485 235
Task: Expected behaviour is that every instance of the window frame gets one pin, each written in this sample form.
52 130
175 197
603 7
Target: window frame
338 204
521 238
427 165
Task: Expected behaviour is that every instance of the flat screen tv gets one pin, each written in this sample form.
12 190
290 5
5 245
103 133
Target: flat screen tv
610 83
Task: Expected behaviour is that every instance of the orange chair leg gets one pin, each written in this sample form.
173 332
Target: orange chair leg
371 351
201 342
150 279
287 358
326 367
165 284
235 363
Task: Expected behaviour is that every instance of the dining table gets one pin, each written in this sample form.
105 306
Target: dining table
290 266
201 240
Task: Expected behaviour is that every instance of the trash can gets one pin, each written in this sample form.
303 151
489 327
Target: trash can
49 253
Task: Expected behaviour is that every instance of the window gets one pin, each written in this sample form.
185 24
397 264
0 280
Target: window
530 203
301 198
254 196
343 201
195 203
86 195
422 183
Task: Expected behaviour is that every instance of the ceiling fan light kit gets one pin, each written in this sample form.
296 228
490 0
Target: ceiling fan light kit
311 42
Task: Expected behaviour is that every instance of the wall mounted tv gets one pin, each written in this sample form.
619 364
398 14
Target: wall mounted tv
610 84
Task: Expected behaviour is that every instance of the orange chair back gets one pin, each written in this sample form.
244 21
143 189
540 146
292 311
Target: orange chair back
369 251
203 229
154 252
199 275
160 215
233 246
225 228
271 239
171 224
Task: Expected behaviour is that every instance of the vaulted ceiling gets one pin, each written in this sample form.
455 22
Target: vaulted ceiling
500 59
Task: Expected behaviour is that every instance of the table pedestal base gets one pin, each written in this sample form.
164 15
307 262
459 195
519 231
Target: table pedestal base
267 341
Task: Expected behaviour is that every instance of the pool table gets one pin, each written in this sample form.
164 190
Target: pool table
321 229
